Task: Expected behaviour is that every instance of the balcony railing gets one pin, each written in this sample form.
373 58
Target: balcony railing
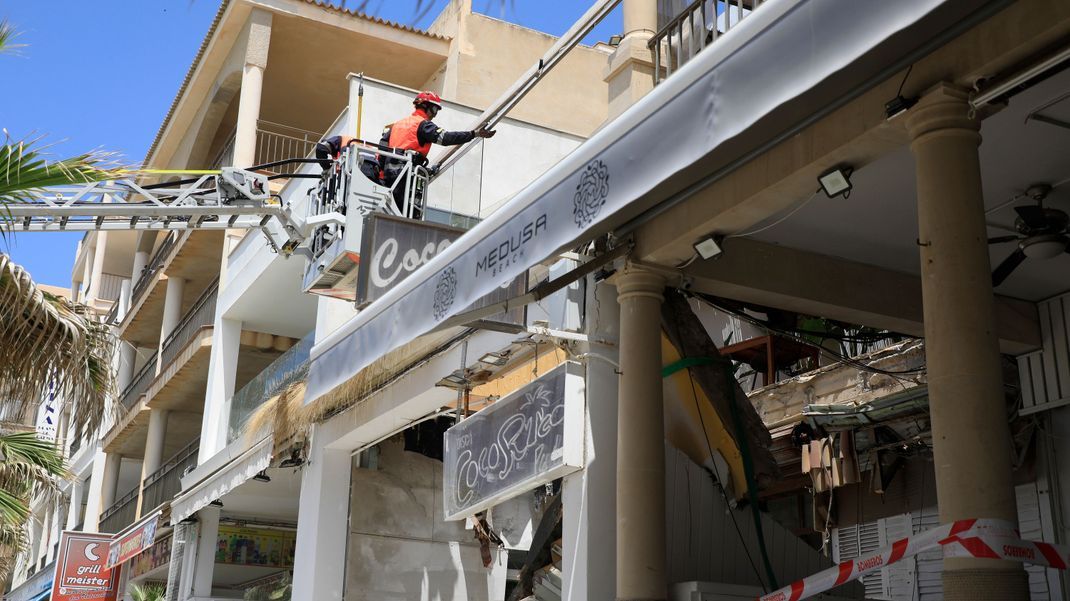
697 26
290 367
153 267
274 142
139 384
163 484
121 514
200 315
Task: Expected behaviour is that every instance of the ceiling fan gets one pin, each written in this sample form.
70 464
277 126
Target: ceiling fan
1042 234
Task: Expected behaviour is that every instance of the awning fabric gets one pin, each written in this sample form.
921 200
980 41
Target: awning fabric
780 65
223 480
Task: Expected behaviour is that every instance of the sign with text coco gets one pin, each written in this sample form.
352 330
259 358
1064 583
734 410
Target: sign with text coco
528 438
393 248
81 569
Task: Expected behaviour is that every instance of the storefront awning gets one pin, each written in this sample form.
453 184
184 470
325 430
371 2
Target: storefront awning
775 70
220 482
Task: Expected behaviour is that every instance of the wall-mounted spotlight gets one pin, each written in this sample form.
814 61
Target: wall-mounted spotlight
455 380
615 39
709 247
216 503
294 460
836 182
262 476
495 359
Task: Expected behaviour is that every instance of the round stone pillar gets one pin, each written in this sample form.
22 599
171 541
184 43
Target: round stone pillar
640 440
971 438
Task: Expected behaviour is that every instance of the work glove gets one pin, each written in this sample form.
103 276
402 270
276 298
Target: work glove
484 133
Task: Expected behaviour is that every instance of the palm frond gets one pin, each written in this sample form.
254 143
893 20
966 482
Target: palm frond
48 340
24 168
146 593
7 34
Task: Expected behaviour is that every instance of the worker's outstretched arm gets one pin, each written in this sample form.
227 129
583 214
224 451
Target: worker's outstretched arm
429 132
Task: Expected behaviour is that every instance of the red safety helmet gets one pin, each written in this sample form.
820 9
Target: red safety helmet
428 98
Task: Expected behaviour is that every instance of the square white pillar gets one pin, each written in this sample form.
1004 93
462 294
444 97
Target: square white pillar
322 524
589 496
222 370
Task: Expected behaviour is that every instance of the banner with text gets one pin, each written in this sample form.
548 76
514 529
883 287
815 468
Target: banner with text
81 569
530 437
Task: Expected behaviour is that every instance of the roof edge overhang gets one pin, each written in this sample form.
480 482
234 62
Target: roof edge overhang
231 10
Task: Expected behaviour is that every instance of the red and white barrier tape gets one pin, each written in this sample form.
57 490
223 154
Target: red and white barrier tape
1010 548
964 536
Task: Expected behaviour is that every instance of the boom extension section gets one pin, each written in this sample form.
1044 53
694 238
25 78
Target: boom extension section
232 199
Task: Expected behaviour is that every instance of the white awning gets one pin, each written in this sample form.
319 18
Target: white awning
228 477
782 65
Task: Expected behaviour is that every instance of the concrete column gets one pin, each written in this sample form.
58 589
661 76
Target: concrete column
127 359
87 274
630 72
110 482
204 565
640 440
252 84
98 266
222 370
77 490
95 494
971 439
319 570
172 306
154 441
590 495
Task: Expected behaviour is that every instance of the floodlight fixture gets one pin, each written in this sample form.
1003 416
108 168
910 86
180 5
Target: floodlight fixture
455 380
495 359
262 476
836 182
709 247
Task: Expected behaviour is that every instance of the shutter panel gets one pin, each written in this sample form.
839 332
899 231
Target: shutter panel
852 541
929 564
898 578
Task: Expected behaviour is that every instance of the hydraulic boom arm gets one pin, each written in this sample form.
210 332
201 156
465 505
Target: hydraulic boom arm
232 199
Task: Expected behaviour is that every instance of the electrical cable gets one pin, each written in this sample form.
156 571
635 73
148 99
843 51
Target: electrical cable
777 222
899 92
793 336
720 485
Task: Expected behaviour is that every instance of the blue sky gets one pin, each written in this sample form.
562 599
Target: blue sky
102 74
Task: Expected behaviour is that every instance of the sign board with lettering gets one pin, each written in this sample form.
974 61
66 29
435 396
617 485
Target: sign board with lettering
81 569
133 540
528 438
392 248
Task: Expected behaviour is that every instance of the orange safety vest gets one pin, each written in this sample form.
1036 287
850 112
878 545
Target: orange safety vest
403 133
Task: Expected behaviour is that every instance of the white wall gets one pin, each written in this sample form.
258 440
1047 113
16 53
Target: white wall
401 547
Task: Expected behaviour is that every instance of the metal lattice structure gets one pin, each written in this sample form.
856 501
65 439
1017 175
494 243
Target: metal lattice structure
230 199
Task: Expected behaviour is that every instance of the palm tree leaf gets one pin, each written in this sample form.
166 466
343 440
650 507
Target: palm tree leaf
46 340
7 34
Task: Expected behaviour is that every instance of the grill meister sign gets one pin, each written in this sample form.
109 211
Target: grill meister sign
81 569
392 248
530 437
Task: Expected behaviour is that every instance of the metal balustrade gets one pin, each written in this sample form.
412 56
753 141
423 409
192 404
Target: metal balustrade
163 484
200 315
151 271
121 514
697 26
274 142
139 384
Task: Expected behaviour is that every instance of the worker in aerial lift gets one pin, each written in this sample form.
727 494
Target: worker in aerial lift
416 133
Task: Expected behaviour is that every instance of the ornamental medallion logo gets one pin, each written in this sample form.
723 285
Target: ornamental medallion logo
445 292
591 193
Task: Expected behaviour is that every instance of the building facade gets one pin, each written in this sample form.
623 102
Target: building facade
809 195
